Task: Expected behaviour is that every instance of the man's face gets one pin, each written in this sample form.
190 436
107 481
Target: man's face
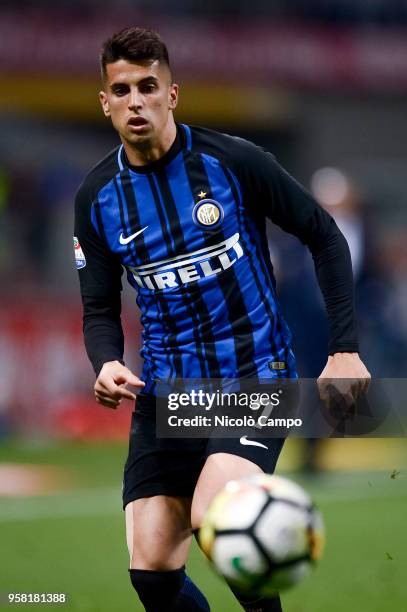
139 99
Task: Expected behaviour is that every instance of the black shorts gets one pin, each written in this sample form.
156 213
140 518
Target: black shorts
164 466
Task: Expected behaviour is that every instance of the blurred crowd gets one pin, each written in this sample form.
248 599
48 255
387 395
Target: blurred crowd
347 12
379 261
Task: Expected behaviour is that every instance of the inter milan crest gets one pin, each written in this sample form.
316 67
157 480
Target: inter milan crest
208 213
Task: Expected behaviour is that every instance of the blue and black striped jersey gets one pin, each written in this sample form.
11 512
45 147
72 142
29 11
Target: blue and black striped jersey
189 229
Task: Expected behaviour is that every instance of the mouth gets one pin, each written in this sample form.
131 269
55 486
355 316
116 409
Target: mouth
137 122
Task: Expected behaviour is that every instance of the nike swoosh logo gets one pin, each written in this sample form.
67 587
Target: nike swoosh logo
246 442
127 239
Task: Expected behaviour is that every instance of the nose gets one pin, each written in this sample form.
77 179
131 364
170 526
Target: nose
135 99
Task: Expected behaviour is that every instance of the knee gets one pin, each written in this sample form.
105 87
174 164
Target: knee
150 563
151 555
158 550
156 540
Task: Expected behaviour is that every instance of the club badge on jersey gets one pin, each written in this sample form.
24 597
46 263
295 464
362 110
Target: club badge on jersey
80 260
208 213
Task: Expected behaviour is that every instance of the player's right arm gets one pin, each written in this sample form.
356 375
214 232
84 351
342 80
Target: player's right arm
100 274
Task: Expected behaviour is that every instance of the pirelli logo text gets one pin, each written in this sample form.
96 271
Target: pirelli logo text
190 267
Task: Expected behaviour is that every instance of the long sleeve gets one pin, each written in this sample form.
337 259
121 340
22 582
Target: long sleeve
100 283
285 202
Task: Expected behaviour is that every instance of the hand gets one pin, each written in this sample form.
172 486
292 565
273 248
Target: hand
345 375
110 386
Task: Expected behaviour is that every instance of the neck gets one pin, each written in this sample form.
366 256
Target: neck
151 150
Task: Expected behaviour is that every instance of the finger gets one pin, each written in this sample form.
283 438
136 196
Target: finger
122 392
130 379
327 397
105 386
323 386
350 403
356 387
105 395
345 386
362 386
102 395
332 389
109 388
107 402
338 398
343 407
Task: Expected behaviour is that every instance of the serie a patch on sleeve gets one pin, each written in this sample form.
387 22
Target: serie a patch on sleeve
80 260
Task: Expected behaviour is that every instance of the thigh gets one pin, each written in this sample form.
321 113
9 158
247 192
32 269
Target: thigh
219 468
158 532
231 459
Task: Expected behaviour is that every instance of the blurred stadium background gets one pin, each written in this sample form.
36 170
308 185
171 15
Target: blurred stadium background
320 83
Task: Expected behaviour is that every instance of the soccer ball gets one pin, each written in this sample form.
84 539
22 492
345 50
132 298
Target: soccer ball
262 534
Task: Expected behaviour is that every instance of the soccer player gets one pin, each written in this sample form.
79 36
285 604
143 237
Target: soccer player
182 209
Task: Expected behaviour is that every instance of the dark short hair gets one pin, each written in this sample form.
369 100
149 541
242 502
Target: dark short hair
133 45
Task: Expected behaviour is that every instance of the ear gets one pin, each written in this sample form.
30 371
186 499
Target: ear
173 96
104 103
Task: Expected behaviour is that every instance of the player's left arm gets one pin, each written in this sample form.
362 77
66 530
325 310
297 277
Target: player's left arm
282 199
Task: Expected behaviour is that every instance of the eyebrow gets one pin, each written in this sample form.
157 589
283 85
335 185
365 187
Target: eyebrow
146 79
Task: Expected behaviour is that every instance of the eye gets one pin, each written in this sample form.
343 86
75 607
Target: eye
149 87
120 91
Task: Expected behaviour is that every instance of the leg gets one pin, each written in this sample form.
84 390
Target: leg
158 531
157 493
227 459
219 468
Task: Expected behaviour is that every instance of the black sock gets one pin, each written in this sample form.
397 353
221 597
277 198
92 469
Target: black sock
259 604
170 591
191 598
251 604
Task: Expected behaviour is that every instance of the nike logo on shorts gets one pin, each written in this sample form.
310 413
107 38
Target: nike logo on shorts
127 239
243 440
